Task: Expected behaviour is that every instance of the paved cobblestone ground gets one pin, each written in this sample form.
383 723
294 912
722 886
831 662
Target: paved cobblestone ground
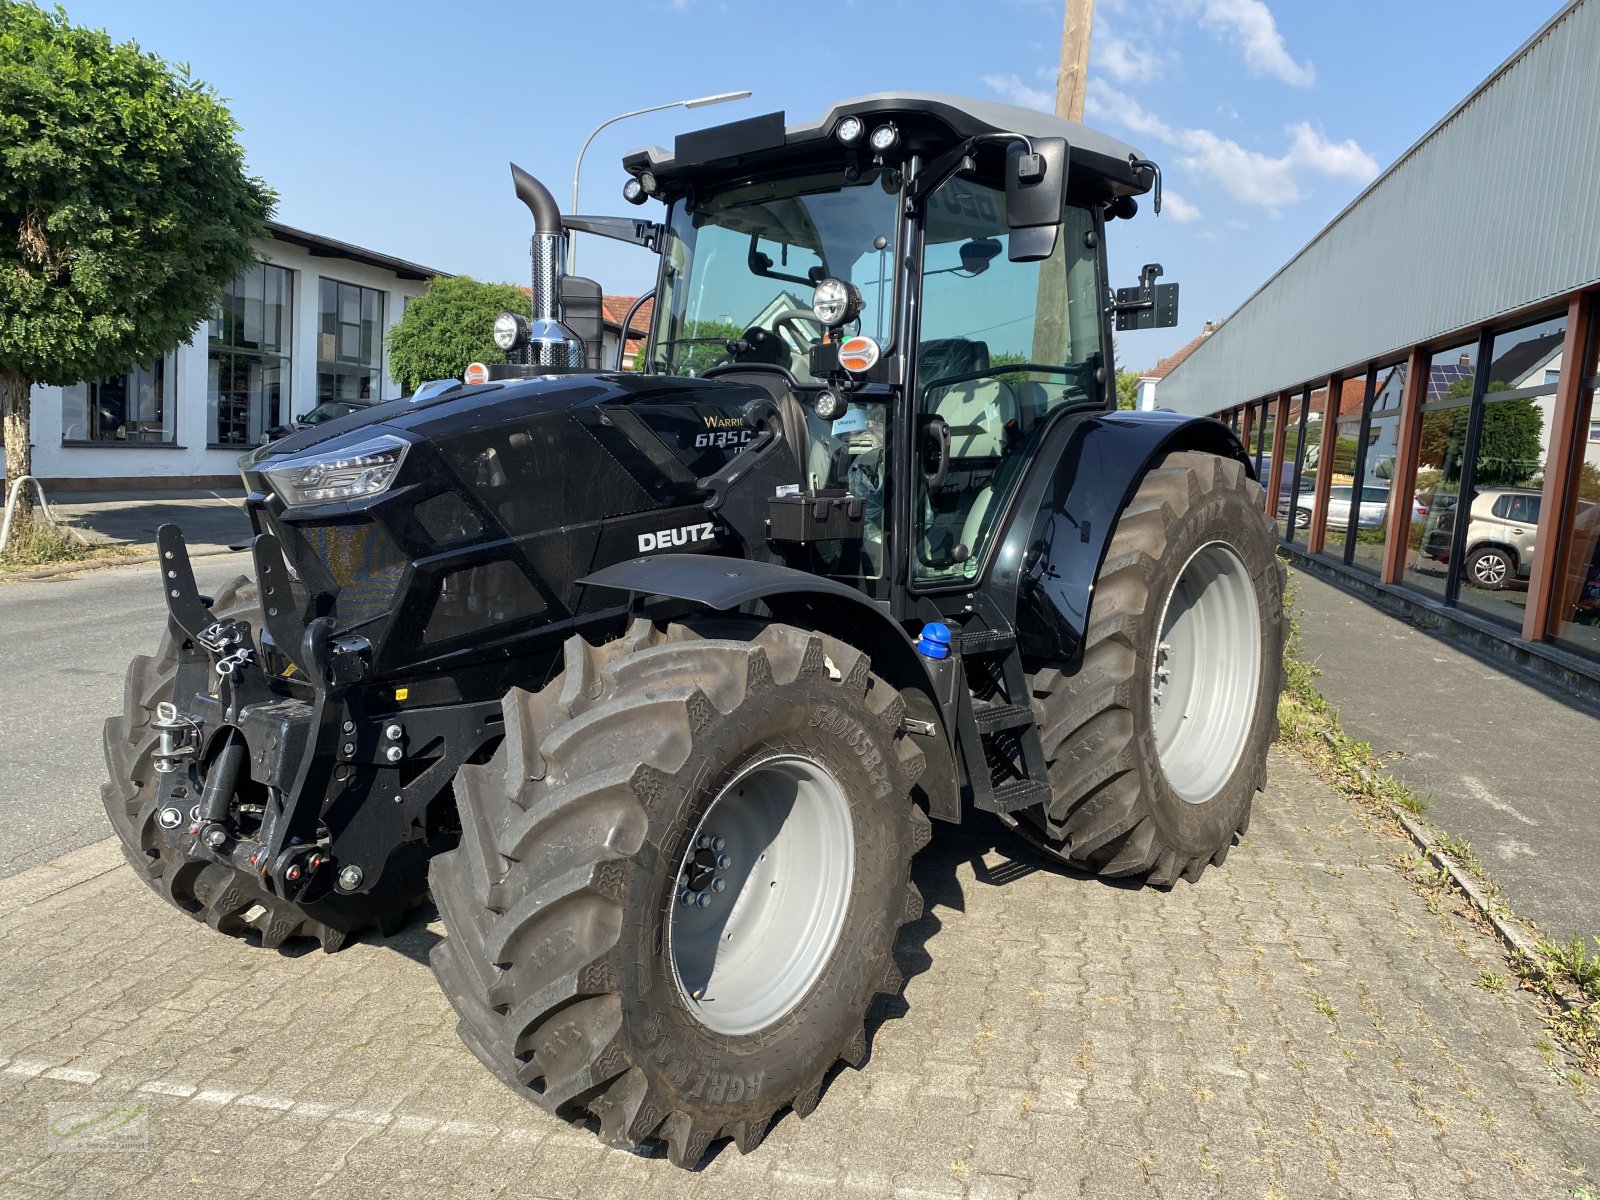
1299 1024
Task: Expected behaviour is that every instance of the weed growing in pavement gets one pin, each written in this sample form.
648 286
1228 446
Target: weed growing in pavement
1492 981
45 545
1576 963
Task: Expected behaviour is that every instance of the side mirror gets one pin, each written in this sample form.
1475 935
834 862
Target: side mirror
1036 190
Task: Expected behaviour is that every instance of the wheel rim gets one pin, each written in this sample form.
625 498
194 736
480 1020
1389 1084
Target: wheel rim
1302 519
1206 672
761 894
1490 569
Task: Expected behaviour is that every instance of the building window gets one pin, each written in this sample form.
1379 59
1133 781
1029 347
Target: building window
1551 377
1594 431
133 407
248 371
350 344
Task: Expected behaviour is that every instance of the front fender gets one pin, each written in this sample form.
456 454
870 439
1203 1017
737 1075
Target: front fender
815 602
1066 511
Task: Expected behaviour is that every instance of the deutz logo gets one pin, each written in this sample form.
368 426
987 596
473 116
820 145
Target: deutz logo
664 539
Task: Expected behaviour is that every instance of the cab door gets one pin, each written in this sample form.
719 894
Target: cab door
1000 346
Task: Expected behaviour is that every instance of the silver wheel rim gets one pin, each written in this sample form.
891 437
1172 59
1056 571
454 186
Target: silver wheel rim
1490 569
1206 672
761 893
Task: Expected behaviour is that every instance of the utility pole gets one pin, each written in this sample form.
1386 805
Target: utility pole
1051 331
1074 75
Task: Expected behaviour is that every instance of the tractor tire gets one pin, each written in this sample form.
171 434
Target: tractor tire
230 901
598 959
1157 740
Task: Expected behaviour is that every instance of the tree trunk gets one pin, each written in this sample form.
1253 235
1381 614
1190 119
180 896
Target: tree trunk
15 390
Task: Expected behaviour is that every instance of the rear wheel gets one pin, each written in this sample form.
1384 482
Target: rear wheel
680 881
229 901
1157 741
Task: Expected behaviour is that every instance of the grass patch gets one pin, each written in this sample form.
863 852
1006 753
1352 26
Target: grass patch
45 545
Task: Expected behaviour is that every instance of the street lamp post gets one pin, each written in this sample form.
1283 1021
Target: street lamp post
697 102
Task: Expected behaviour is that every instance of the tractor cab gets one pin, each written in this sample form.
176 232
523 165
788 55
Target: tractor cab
917 283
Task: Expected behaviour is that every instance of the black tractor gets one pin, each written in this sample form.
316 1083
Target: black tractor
655 680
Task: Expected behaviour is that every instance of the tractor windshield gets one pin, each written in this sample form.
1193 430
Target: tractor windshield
741 266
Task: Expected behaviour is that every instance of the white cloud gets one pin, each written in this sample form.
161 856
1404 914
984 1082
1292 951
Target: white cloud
1248 176
1337 160
1250 24
1011 88
1104 102
1176 207
1123 60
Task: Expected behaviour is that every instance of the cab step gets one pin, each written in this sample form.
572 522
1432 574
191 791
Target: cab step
1020 793
994 717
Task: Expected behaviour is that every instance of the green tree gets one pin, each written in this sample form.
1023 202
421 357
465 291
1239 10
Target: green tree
1509 448
125 208
449 326
1127 389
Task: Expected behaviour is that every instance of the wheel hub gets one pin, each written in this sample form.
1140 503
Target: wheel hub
760 896
1205 672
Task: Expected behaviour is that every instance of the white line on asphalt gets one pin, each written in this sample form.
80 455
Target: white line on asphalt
311 1109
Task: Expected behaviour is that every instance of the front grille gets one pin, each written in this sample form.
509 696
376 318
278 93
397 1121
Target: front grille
364 563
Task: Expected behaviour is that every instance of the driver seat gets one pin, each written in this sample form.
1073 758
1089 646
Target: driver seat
981 414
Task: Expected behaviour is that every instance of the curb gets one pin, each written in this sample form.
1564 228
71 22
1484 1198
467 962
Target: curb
102 564
1509 933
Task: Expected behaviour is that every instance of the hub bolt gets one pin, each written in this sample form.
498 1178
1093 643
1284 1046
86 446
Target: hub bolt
394 733
685 896
215 838
718 883
703 899
350 878
717 844
705 841
723 862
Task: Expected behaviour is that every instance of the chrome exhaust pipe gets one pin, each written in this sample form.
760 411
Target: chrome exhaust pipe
550 343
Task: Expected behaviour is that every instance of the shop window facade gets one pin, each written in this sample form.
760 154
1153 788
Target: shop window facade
1364 510
133 408
349 343
248 376
1576 623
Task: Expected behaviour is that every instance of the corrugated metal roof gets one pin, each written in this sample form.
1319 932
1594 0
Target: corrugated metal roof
1496 208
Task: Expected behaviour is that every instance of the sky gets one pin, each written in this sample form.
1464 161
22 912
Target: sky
390 125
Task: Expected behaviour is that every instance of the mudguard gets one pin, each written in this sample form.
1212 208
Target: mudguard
1066 509
809 601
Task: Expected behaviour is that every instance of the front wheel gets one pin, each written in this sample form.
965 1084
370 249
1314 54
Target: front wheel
1157 740
1302 518
680 881
1490 567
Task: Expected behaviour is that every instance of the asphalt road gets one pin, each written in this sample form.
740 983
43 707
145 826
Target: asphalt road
64 647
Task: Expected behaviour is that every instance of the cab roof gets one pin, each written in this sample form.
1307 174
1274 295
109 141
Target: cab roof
929 123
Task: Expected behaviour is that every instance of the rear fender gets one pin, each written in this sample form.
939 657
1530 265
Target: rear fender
813 602
1066 510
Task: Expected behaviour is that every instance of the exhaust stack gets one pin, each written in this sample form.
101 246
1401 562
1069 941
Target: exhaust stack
550 343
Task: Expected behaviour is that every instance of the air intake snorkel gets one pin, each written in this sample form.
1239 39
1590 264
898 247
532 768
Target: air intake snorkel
550 343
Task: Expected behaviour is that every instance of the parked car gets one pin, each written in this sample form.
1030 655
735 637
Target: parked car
1502 529
1373 506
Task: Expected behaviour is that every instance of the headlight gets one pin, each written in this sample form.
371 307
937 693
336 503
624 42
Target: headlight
835 302
351 473
884 137
849 131
510 329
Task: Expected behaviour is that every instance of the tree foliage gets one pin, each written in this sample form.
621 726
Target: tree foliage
1127 389
125 208
1509 449
449 326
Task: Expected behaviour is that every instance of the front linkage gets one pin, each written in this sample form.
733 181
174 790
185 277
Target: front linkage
278 763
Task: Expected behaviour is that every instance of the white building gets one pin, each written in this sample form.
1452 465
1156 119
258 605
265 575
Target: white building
305 326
